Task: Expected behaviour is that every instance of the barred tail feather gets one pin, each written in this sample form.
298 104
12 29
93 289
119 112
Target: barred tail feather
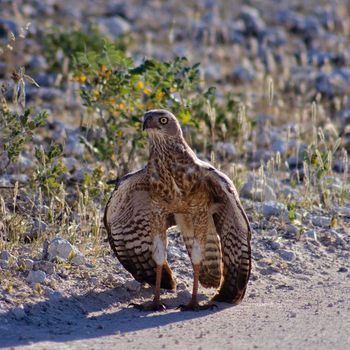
236 276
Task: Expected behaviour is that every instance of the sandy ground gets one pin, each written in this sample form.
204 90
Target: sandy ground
313 314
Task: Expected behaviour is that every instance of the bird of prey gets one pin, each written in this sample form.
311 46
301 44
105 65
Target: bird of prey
175 187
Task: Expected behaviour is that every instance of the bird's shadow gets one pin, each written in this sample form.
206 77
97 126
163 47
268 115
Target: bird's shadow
85 316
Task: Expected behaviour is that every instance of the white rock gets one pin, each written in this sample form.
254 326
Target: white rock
287 255
70 163
212 72
5 255
21 178
78 260
59 247
226 150
52 294
132 286
24 163
36 277
292 229
94 281
321 221
275 245
5 180
55 296
338 237
47 266
279 145
181 286
258 191
39 226
3 310
272 208
263 138
4 264
285 217
19 312
343 211
311 235
25 263
113 27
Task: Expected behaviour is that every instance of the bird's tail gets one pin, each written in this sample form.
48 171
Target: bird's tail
236 273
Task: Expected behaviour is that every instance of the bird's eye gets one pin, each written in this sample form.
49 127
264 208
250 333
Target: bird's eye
163 120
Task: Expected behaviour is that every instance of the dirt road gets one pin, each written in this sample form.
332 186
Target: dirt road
311 314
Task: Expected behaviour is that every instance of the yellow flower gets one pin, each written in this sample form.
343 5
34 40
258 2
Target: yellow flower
173 89
147 91
103 68
95 93
334 222
4 106
140 85
111 100
104 72
81 78
159 95
121 105
140 105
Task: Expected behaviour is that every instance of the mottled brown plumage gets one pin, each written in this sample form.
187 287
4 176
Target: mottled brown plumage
177 187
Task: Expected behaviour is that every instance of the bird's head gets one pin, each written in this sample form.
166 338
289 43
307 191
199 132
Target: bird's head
160 122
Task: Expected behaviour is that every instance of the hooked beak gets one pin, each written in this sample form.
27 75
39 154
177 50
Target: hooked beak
147 121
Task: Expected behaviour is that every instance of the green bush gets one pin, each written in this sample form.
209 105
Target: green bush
16 129
117 93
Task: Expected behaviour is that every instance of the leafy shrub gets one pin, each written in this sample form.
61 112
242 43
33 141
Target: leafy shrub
17 127
49 168
117 93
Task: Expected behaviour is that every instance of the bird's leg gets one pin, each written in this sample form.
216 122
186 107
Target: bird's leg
156 298
193 305
194 301
159 256
200 227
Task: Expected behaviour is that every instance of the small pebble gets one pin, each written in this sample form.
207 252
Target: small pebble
287 255
19 312
25 263
311 235
132 286
5 255
36 277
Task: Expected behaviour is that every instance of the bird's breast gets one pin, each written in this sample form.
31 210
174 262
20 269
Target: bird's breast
176 195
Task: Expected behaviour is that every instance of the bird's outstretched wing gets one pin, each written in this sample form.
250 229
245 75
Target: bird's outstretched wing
233 228
127 217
